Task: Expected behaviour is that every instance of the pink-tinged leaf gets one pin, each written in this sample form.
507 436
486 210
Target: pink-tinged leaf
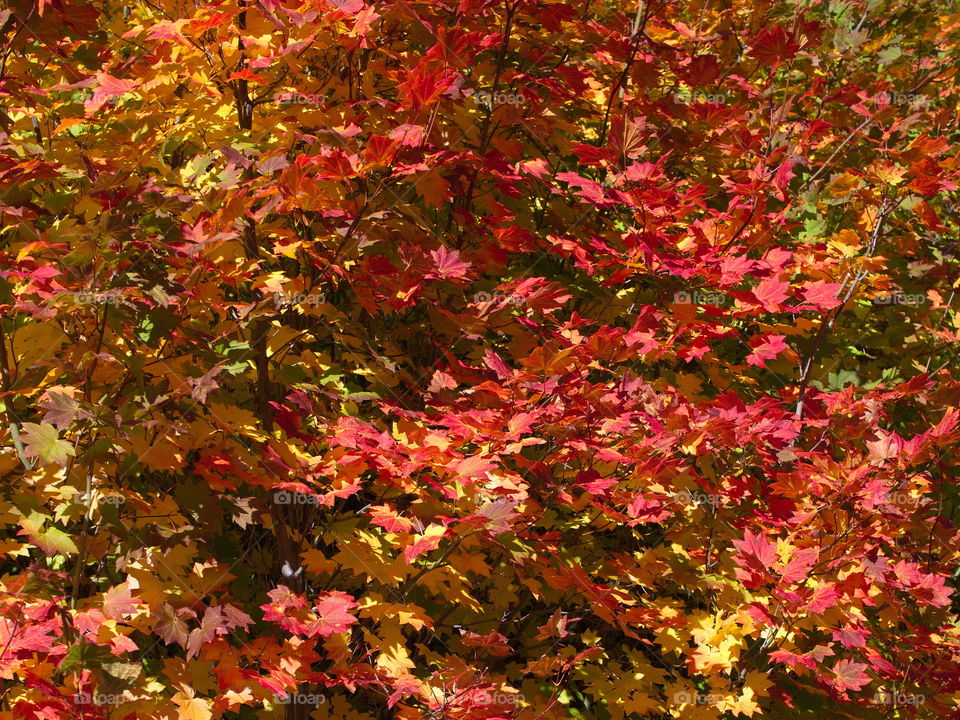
441 381
282 600
404 686
783 176
798 567
789 658
493 361
771 293
114 86
106 89
851 637
333 611
538 167
166 30
768 349
755 547
15 636
598 486
351 7
118 602
448 263
407 135
212 625
473 466
823 598
60 409
849 675
733 268
171 625
821 294
497 515
588 189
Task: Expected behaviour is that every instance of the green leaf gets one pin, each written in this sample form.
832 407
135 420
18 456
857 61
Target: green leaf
50 539
43 442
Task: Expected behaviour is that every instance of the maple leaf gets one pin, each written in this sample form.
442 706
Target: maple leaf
60 408
46 536
434 189
767 349
849 675
429 540
171 626
448 263
770 293
588 189
333 610
387 518
493 642
43 442
851 637
119 602
107 88
192 708
424 85
16 636
473 466
773 45
823 295
756 548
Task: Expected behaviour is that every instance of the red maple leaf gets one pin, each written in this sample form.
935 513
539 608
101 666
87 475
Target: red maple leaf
387 518
770 293
821 294
757 548
773 45
767 349
755 558
448 263
333 610
589 190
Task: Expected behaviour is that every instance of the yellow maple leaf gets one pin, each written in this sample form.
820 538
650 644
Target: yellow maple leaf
192 708
843 185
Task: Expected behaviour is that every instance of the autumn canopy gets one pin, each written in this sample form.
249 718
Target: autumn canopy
479 360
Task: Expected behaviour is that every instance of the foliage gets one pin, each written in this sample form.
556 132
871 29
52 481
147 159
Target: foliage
468 361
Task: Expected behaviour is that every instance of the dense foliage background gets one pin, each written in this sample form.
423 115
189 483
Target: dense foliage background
479 360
